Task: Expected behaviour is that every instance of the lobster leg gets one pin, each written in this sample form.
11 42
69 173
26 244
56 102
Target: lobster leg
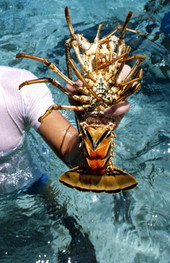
74 43
98 33
128 92
50 65
63 107
64 77
79 58
68 57
134 70
75 46
81 98
122 28
115 75
135 67
135 79
70 27
46 80
108 63
122 33
79 75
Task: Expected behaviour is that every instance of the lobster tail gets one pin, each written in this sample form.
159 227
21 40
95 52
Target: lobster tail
98 173
117 181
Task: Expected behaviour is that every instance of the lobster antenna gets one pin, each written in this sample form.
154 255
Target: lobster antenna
98 33
70 26
122 33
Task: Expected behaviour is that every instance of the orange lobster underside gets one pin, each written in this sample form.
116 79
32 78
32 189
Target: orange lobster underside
98 174
97 150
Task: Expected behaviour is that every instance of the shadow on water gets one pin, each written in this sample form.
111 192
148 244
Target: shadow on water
80 249
35 227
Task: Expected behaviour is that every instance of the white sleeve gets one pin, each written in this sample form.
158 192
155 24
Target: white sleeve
37 98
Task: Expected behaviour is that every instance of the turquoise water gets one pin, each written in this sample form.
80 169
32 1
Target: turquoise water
69 226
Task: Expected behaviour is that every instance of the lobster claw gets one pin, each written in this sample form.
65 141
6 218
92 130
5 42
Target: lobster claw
117 181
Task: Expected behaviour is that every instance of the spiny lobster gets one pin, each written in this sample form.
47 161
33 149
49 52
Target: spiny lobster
101 63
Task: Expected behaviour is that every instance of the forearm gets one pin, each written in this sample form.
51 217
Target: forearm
62 137
73 154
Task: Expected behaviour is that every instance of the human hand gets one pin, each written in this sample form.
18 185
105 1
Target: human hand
116 111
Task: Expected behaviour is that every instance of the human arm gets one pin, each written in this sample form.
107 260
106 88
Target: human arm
62 137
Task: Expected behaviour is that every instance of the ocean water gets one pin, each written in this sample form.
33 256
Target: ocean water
66 226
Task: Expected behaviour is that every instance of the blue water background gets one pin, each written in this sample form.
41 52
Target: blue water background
69 226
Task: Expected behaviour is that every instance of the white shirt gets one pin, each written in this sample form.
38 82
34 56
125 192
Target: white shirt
18 110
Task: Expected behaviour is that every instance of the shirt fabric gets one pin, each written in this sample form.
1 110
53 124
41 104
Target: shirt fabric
19 109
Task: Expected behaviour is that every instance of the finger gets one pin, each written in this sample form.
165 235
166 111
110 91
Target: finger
125 71
117 110
73 89
79 83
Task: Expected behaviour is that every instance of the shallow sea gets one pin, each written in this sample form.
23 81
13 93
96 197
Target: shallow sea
72 227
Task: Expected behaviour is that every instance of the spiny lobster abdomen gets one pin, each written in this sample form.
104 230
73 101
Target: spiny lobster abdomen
98 174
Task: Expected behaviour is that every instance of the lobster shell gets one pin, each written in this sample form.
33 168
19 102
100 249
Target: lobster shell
98 174
101 64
